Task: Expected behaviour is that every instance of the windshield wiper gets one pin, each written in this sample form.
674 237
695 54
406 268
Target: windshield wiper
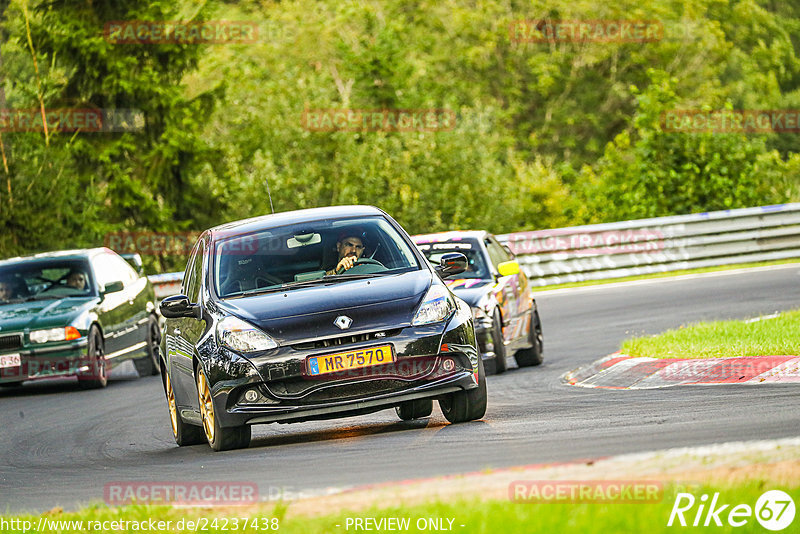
274 289
345 276
307 283
327 279
42 297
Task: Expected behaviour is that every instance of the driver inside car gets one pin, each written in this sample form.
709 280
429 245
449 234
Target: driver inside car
350 248
76 280
6 291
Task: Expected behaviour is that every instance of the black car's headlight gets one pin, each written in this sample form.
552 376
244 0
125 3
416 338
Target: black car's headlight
241 336
436 306
54 334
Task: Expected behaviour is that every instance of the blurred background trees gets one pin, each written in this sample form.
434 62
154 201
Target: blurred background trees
547 134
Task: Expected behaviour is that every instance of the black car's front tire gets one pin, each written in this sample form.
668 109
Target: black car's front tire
415 409
220 439
150 365
535 354
467 405
97 375
184 433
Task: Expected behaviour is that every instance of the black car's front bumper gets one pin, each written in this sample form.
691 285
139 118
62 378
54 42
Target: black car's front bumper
430 361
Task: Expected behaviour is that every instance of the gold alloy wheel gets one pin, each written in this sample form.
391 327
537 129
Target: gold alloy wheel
206 406
173 411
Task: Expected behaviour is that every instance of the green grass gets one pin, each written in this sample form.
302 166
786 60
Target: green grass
475 515
666 275
719 339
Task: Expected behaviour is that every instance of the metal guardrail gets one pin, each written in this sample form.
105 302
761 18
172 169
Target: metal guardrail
627 248
166 284
614 250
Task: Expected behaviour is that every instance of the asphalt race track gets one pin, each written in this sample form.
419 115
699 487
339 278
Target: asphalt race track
60 446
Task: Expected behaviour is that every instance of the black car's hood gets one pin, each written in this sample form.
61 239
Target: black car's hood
303 314
36 314
470 290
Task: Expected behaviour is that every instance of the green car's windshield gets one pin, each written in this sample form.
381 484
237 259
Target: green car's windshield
43 279
309 254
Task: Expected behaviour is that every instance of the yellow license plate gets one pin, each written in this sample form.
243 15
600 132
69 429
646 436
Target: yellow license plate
352 359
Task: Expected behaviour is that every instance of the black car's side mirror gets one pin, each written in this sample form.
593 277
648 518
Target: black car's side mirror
112 287
451 264
179 306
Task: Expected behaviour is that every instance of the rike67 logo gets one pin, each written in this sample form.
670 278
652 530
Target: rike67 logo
774 510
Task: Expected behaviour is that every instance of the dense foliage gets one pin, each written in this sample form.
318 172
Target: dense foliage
547 133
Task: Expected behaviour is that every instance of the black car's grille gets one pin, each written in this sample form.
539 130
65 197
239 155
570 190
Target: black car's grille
340 392
10 342
345 340
357 382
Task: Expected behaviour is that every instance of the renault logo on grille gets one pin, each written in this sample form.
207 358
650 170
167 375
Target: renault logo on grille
343 322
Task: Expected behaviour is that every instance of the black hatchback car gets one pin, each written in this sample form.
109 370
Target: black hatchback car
314 314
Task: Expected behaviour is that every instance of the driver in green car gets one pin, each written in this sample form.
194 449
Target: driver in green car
6 291
76 280
350 248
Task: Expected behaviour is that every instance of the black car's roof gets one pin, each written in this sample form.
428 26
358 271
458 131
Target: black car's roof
292 217
58 254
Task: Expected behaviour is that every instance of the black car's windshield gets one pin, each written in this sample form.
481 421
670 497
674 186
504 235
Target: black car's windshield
471 248
40 279
309 254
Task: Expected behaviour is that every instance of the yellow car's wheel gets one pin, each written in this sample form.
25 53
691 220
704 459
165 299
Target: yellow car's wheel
533 355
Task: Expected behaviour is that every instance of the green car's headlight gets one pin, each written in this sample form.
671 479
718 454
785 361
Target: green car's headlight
54 334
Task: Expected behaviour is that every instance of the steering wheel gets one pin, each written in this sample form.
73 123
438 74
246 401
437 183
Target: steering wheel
361 261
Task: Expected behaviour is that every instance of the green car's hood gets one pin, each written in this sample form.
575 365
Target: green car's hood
38 314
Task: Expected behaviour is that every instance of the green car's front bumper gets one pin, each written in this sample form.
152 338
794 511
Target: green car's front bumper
64 358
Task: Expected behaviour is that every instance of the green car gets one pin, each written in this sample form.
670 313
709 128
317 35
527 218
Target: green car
75 313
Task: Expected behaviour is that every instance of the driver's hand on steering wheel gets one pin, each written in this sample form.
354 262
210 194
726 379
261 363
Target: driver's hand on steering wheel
345 263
